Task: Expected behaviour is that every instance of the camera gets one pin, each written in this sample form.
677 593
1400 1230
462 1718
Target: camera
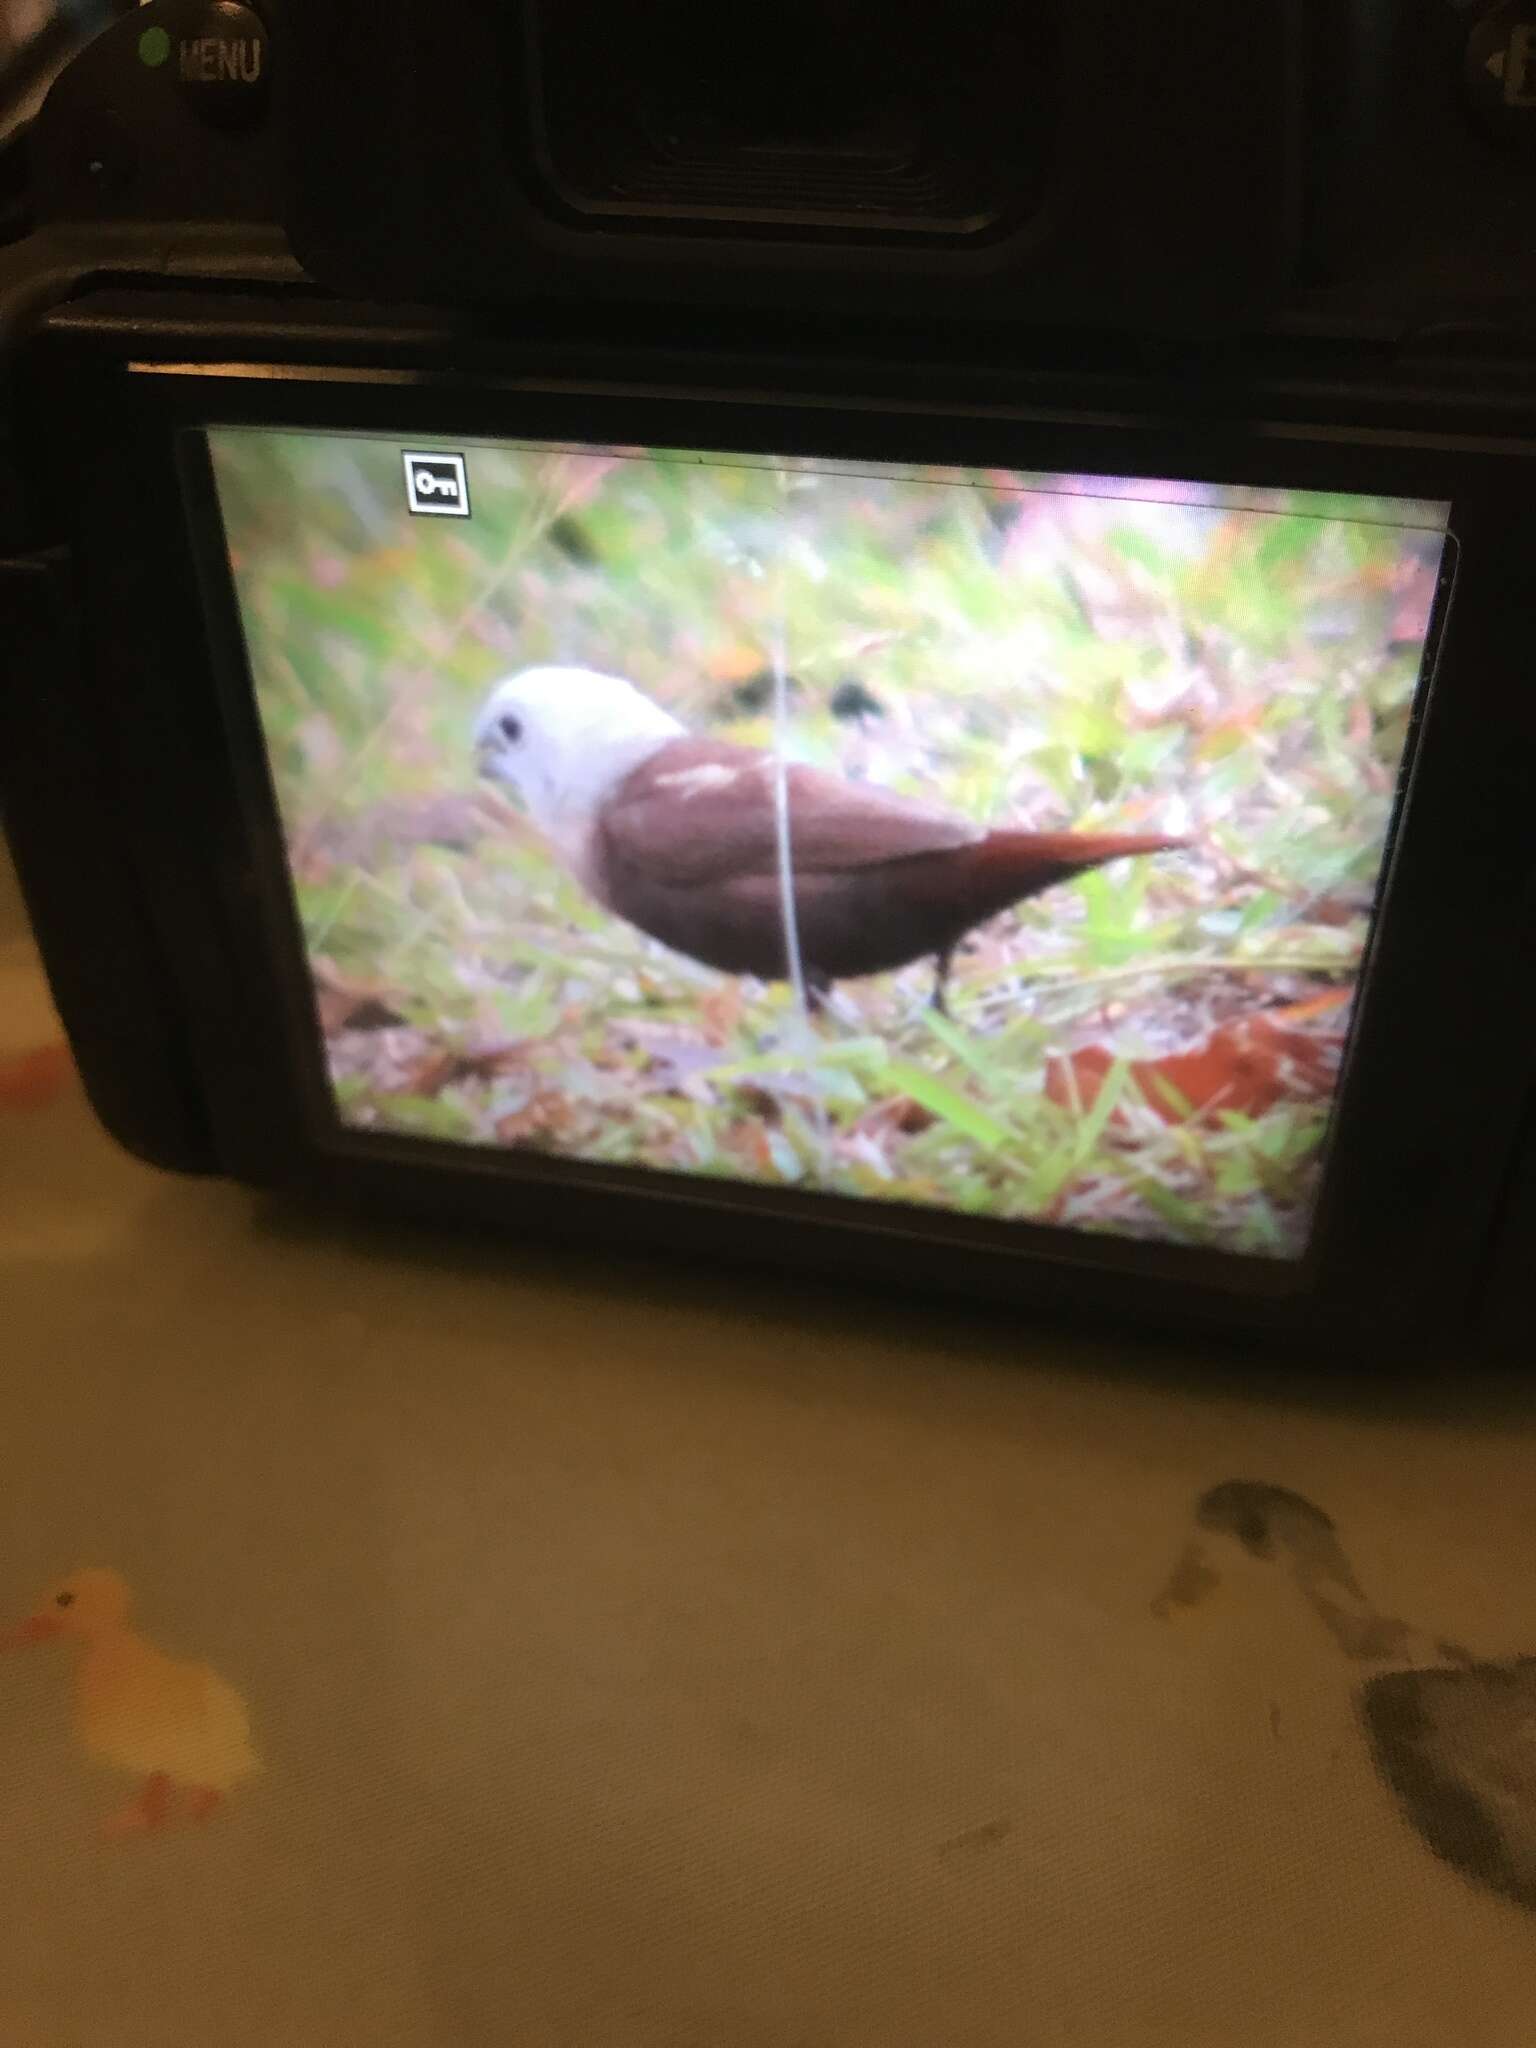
886 641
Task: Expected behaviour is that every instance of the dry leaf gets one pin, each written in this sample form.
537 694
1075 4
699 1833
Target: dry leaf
346 1004
447 1067
1246 1065
545 1116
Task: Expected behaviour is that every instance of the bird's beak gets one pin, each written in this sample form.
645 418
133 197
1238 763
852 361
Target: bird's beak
1192 1580
38 1628
491 766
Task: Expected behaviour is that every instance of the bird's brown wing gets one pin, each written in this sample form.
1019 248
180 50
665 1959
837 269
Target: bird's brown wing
700 811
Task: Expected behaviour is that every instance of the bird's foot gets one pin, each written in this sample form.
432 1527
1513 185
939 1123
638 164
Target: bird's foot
147 1812
943 961
205 1802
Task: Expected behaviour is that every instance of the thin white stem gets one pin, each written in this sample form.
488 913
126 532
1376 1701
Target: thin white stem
786 862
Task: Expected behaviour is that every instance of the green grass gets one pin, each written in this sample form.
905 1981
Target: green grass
1041 658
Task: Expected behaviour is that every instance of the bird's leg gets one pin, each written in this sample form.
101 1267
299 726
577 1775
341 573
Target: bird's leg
205 1801
147 1812
943 960
817 989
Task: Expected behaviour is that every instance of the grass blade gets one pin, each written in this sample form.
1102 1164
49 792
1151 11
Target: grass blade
945 1103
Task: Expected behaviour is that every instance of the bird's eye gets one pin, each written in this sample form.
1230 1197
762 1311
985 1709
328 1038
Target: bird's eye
66 1600
511 726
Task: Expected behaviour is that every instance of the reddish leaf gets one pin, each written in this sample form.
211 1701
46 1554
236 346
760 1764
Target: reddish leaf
1246 1065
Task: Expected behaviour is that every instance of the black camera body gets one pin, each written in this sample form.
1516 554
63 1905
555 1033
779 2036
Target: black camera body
1280 254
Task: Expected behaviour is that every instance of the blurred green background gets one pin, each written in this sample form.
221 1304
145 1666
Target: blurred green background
1038 651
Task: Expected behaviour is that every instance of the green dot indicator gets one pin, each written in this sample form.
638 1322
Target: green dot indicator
154 47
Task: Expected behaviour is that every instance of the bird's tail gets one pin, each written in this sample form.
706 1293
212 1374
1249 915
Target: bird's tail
1076 850
1007 866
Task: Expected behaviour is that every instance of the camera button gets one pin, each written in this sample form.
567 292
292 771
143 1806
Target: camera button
223 58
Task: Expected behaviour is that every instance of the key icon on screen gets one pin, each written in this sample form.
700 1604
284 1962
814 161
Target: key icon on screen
437 484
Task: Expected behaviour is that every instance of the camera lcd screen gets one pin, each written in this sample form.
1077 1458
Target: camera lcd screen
990 843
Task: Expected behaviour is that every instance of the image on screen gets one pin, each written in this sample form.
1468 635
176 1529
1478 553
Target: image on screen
982 842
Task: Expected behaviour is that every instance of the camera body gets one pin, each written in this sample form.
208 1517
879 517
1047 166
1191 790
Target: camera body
1281 258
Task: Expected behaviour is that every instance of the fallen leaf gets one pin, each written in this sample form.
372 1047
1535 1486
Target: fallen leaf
735 661
720 1012
898 1113
1246 1065
346 1004
749 1142
544 1117
449 1066
760 1103
1328 1003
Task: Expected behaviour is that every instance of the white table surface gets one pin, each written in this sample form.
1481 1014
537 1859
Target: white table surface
644 1656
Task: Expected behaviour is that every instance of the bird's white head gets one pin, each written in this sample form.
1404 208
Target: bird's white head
563 738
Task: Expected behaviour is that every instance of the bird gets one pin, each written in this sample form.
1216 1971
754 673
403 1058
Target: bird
178 1727
680 835
1449 1734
